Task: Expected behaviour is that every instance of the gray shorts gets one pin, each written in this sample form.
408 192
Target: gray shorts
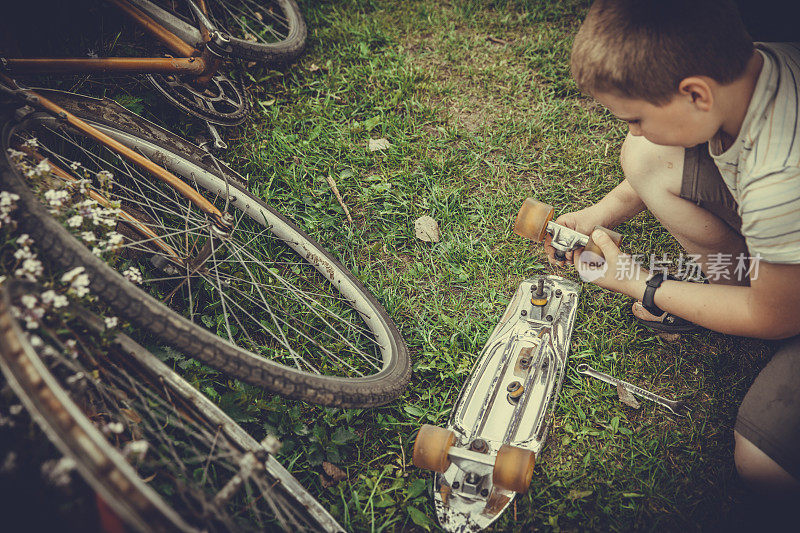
769 416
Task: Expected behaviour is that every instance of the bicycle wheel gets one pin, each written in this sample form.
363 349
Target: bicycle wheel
153 448
259 30
261 301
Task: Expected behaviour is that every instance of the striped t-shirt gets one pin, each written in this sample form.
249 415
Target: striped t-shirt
762 166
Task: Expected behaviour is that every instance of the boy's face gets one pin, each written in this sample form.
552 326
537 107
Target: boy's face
678 123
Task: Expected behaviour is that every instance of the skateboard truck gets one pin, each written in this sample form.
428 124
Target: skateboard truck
534 221
511 468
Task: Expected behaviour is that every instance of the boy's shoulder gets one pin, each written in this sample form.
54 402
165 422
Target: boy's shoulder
762 168
770 133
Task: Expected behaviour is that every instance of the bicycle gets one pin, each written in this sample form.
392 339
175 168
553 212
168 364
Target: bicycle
237 281
157 452
200 35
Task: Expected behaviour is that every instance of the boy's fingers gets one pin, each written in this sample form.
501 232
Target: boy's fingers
602 239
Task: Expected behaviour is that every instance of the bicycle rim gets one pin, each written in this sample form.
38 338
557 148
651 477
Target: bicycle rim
159 453
283 313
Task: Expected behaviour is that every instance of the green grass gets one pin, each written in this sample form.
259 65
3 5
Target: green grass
475 125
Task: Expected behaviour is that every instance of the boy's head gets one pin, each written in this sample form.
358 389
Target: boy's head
642 50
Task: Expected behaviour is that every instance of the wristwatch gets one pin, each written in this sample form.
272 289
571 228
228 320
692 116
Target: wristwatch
648 300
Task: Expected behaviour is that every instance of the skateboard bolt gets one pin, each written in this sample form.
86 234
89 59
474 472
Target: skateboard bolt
525 362
558 292
479 445
515 390
485 492
549 318
524 312
456 484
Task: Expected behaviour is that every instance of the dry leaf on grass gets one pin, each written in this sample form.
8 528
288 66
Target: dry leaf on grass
333 474
427 229
376 145
626 397
669 337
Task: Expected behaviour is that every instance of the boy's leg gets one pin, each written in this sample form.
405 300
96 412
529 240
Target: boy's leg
682 188
767 428
672 181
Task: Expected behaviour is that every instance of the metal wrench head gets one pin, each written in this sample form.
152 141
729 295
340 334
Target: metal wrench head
675 406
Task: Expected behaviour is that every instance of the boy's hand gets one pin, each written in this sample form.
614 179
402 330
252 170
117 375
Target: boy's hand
618 273
582 221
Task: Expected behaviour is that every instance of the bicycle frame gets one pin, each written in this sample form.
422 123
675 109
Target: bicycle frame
202 62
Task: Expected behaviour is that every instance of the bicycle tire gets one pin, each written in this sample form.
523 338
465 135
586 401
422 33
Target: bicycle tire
289 40
129 301
76 392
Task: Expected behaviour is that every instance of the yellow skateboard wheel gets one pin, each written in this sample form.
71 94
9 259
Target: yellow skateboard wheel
431 447
513 468
532 220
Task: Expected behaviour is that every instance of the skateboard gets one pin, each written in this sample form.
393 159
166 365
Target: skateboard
499 423
500 420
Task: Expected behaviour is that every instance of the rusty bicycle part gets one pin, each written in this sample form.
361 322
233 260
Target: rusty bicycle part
199 37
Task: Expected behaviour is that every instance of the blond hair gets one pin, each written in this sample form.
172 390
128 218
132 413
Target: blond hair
643 48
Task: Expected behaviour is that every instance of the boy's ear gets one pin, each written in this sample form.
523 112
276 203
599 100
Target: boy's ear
698 90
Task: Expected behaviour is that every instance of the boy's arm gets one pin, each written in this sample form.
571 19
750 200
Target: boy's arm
768 309
621 204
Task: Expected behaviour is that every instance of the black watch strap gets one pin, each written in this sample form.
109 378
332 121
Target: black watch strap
648 300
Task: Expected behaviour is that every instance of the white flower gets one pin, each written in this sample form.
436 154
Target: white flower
97 251
114 238
29 300
8 198
111 322
136 447
30 269
42 167
24 240
55 197
88 236
15 154
72 347
133 275
31 322
32 142
57 473
72 274
115 427
23 253
75 221
51 297
36 341
8 203
104 176
80 286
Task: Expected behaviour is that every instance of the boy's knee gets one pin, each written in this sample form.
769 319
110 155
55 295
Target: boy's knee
643 161
760 471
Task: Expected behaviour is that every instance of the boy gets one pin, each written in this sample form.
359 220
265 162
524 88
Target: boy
713 151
